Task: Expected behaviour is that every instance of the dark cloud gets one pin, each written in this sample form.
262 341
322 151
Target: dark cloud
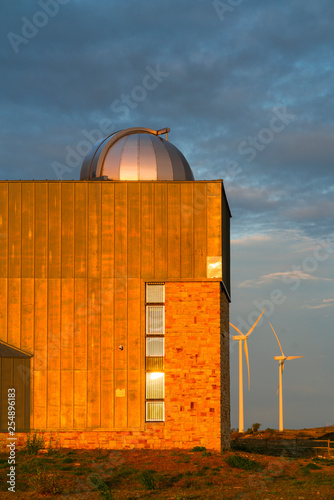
223 81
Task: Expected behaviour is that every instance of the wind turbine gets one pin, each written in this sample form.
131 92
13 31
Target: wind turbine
282 359
241 337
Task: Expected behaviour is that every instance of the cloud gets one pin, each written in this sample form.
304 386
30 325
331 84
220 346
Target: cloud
269 278
325 303
225 79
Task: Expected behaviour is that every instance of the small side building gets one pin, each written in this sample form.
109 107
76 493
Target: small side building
114 306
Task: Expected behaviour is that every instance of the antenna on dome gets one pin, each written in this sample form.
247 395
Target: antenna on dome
164 131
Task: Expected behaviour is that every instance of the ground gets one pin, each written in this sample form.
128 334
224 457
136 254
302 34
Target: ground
167 474
314 433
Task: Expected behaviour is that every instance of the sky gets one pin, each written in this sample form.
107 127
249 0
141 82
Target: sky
246 88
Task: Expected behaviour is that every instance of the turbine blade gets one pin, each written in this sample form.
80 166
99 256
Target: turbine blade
256 322
283 365
294 357
277 339
237 329
277 390
247 359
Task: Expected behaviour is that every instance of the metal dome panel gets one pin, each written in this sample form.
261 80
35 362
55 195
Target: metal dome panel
136 154
147 159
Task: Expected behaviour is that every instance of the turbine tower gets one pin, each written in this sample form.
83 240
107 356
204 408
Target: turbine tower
281 360
241 337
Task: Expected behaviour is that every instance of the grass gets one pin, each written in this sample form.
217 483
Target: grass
324 461
164 474
148 479
34 444
47 483
240 462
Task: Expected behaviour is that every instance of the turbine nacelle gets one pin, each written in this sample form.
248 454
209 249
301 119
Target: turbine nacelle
243 337
239 337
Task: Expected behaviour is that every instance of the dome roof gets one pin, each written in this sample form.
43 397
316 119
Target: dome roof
136 154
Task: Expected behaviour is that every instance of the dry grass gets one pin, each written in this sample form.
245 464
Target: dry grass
168 474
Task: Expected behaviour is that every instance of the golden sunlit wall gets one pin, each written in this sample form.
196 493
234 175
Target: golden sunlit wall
74 260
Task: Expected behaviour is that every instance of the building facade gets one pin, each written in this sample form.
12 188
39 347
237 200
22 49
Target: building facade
114 309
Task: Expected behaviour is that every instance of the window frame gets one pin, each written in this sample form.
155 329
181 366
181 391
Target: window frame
153 360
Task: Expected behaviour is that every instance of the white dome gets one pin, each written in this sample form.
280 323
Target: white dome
136 154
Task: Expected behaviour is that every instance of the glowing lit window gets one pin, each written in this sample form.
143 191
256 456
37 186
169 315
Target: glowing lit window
155 385
155 352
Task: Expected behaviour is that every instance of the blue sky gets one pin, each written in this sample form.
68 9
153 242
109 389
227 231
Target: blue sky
247 90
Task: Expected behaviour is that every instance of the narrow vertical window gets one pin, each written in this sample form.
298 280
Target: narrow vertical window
155 352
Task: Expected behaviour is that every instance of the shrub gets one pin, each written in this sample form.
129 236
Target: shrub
324 461
46 483
311 466
305 471
270 430
168 481
50 449
245 463
34 444
147 479
256 427
199 448
100 485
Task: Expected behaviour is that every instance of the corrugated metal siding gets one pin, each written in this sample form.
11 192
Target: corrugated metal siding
15 373
74 257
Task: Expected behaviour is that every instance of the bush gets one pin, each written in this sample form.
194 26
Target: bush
34 444
324 461
270 430
46 483
100 485
256 427
199 448
52 450
245 463
166 481
311 466
148 479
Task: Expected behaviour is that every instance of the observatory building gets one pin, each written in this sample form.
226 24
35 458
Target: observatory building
114 306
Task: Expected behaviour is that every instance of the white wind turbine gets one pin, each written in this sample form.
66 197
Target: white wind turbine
282 359
241 337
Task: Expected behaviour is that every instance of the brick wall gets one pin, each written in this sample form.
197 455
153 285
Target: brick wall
196 368
225 371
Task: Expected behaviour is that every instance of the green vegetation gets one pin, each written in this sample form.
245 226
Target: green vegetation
270 430
239 462
101 486
46 483
178 474
199 448
34 444
256 427
312 466
148 479
324 461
